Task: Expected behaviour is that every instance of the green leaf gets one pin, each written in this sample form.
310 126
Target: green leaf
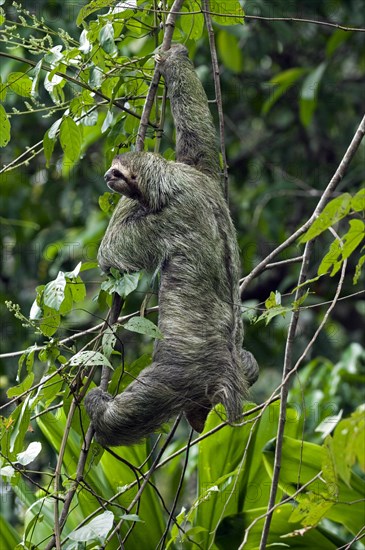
35 82
9 536
358 201
30 454
229 12
21 418
97 529
48 147
267 316
192 25
108 201
89 359
54 292
131 517
143 326
50 390
348 443
22 387
339 251
358 269
333 212
274 300
329 470
108 342
106 39
230 52
311 509
353 237
70 138
92 6
309 92
4 127
50 321
279 84
121 284
3 90
20 83
302 464
78 289
335 40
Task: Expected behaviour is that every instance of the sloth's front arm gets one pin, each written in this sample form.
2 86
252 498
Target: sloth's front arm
139 242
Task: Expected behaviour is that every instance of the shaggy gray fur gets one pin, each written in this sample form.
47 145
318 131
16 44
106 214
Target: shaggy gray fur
174 216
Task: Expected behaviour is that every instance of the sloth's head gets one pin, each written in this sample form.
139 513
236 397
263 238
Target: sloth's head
141 176
121 179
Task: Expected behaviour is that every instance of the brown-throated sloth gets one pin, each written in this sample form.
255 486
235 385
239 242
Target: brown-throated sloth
174 216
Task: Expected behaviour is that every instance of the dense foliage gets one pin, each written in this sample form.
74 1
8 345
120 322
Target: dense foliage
73 86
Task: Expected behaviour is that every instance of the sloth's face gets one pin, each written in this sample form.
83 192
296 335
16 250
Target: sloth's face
120 179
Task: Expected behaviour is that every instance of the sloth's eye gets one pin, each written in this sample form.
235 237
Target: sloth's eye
117 174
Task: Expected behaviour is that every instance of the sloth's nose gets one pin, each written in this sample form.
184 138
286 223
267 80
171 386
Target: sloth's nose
108 175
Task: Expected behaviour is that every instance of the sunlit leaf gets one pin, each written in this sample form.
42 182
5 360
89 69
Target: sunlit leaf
333 212
30 454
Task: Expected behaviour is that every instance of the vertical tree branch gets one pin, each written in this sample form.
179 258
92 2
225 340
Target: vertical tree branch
288 368
217 88
166 43
288 360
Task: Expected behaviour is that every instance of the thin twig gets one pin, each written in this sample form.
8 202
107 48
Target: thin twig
287 372
145 480
284 392
262 408
161 543
75 336
218 92
337 177
263 18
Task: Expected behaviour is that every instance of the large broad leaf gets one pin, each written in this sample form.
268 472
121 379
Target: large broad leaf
9 536
306 464
231 473
192 25
229 12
